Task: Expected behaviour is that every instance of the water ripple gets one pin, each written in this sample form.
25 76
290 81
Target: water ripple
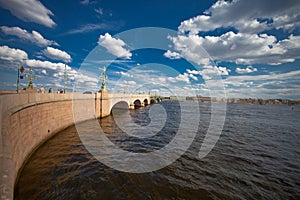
257 157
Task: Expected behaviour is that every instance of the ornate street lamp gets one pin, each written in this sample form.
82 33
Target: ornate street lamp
20 76
65 78
103 78
30 77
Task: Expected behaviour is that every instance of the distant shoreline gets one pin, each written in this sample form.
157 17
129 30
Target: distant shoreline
259 101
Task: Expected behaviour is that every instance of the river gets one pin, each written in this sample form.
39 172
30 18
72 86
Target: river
256 157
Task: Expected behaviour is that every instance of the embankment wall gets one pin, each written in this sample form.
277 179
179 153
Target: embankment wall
28 120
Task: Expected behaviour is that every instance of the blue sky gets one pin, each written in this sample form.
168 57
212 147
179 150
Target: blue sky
248 49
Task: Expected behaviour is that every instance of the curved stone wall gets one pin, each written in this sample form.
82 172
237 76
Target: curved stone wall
29 119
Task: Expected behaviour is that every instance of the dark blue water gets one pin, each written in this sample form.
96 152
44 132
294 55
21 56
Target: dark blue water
256 157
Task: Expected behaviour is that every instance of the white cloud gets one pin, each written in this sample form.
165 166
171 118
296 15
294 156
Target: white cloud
193 77
194 72
272 76
240 48
11 54
291 45
190 48
172 55
55 73
246 16
99 11
209 72
181 77
273 85
29 11
84 80
129 82
34 36
247 70
114 46
57 54
247 45
45 65
224 71
92 27
44 72
193 25
126 74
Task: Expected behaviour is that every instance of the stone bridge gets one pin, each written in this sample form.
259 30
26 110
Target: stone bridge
28 120
133 100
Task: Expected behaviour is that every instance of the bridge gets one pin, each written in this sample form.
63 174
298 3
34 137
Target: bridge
28 120
132 100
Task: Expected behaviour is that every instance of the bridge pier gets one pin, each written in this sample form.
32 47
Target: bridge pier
102 104
131 106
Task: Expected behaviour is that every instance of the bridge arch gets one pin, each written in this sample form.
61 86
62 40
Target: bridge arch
119 107
123 105
137 103
133 100
153 101
146 102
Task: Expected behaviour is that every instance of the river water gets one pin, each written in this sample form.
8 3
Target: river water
256 157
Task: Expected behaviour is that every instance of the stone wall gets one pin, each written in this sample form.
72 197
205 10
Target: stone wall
28 120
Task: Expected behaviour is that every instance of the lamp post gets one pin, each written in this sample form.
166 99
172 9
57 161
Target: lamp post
103 78
18 79
103 91
65 78
30 77
20 76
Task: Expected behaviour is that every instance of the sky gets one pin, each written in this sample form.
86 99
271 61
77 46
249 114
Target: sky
227 49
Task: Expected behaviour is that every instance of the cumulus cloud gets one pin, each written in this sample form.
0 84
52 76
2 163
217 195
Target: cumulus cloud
34 36
240 48
56 70
57 54
45 65
114 46
247 44
11 54
29 11
181 77
209 72
190 48
246 16
247 70
172 55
